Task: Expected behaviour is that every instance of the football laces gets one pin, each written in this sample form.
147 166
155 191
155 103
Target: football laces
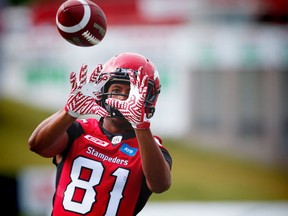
90 38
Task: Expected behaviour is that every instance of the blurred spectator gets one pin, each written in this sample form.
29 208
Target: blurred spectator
274 12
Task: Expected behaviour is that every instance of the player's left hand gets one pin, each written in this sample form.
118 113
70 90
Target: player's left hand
133 107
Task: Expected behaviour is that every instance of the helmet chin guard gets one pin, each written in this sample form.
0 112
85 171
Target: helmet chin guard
117 67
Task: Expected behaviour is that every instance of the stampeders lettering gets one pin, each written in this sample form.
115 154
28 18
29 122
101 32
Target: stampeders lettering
103 157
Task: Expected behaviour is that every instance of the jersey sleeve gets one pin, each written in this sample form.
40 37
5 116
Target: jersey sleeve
164 151
74 131
167 157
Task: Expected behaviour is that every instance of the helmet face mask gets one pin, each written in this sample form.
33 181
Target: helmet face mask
117 67
118 76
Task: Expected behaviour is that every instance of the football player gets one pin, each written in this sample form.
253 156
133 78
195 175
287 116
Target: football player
112 164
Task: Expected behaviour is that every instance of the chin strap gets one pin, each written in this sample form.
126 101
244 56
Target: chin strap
113 112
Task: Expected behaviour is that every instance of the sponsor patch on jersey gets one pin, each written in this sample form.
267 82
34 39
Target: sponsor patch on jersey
96 140
128 150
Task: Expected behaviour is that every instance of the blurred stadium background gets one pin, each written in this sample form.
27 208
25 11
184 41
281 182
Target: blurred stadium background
223 110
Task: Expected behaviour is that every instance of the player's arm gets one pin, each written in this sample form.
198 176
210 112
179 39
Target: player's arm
50 137
156 169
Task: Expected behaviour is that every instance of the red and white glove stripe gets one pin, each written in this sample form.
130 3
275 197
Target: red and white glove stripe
82 97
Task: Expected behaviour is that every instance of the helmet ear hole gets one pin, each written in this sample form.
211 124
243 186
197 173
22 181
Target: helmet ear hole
149 112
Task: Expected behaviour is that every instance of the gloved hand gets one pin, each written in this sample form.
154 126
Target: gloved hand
133 107
82 97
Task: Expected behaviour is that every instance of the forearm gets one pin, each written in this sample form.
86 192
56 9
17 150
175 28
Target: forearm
155 167
49 138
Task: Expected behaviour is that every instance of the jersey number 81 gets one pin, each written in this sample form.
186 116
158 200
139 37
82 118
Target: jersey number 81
88 199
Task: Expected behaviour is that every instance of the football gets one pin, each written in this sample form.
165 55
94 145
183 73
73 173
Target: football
81 22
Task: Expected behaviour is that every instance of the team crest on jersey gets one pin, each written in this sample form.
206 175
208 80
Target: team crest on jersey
128 150
96 140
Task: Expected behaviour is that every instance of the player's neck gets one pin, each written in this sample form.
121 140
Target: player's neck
116 125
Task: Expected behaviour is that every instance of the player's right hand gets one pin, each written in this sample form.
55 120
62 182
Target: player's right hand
133 108
82 98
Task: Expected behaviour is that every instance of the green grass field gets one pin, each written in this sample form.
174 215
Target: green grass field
197 174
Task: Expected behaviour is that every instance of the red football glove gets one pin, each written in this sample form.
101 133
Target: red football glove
82 96
133 107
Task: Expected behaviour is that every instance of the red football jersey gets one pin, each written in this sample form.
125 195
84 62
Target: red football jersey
99 178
